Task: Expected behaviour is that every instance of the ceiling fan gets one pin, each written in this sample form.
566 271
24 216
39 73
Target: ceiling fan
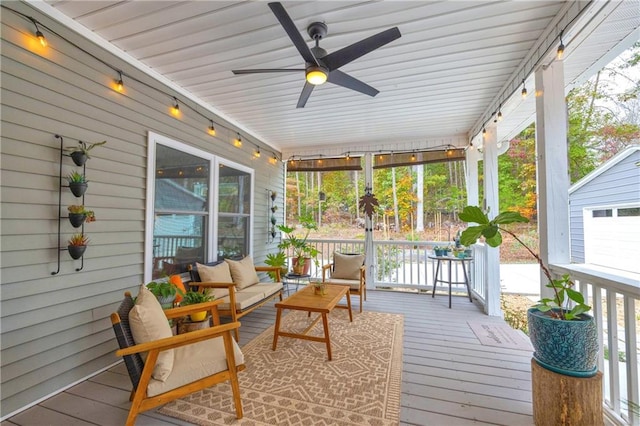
321 66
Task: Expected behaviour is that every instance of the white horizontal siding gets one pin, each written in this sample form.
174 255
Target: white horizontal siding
55 329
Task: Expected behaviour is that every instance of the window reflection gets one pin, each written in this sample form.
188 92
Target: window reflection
180 211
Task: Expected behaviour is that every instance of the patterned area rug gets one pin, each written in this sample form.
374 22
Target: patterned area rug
296 385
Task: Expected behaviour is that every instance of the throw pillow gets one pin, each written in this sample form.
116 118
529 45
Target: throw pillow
243 272
347 266
215 274
148 323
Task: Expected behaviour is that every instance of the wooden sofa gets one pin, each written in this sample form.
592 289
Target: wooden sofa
237 284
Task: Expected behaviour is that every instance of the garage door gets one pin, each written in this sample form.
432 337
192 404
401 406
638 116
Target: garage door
612 237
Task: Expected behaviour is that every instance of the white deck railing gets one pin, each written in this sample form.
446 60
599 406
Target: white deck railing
614 299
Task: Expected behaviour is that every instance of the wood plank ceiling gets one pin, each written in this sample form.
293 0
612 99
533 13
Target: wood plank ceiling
435 81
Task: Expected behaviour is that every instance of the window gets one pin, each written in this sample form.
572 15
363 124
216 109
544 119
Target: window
234 211
633 211
602 213
183 215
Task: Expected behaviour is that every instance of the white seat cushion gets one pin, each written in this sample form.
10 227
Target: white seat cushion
353 284
193 362
249 296
148 323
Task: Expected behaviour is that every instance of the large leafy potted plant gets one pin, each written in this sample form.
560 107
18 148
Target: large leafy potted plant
278 259
563 336
301 251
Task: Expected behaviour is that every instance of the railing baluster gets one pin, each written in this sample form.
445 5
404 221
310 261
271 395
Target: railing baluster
631 346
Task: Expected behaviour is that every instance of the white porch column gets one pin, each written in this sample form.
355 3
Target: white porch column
471 161
368 224
552 169
490 157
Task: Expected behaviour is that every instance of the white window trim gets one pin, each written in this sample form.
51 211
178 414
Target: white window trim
212 231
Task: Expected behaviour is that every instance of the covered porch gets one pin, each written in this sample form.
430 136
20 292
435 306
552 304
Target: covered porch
117 71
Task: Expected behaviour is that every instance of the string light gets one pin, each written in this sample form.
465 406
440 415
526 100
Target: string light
39 35
524 90
176 107
499 115
561 47
257 153
119 82
238 141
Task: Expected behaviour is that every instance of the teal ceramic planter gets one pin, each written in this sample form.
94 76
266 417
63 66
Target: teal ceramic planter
565 347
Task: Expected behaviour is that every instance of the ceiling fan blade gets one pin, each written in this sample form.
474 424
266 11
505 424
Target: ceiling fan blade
345 80
292 31
264 70
306 92
347 54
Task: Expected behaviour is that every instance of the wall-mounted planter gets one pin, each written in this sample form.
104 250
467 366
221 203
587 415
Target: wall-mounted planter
79 158
76 252
77 219
78 188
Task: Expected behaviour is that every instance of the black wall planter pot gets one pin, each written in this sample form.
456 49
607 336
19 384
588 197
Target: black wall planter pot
76 219
76 252
78 157
78 189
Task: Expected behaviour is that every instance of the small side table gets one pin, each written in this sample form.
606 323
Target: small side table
451 260
291 279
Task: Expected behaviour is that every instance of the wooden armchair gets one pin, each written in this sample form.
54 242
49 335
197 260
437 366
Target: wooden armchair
210 355
347 269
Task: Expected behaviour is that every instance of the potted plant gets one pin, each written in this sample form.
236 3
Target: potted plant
563 336
278 259
77 183
80 153
302 252
165 292
78 215
193 297
76 245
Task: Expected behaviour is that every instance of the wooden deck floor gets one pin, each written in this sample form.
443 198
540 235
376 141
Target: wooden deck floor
448 377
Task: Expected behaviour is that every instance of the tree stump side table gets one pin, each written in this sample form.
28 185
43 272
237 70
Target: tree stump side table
565 400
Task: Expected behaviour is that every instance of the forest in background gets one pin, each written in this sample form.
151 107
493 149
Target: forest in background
603 119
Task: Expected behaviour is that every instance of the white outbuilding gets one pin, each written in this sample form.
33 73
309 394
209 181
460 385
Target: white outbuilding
604 209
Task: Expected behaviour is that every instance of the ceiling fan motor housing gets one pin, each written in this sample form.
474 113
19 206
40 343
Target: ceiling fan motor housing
317 30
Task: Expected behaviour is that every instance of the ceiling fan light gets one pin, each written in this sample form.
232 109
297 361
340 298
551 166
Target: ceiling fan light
316 76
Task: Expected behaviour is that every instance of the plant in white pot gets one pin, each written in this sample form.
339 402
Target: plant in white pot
563 336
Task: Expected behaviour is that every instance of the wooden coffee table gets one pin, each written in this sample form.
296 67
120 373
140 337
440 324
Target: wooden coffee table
306 300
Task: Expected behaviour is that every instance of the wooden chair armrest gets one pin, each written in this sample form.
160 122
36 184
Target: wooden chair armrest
326 268
189 309
274 269
180 340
